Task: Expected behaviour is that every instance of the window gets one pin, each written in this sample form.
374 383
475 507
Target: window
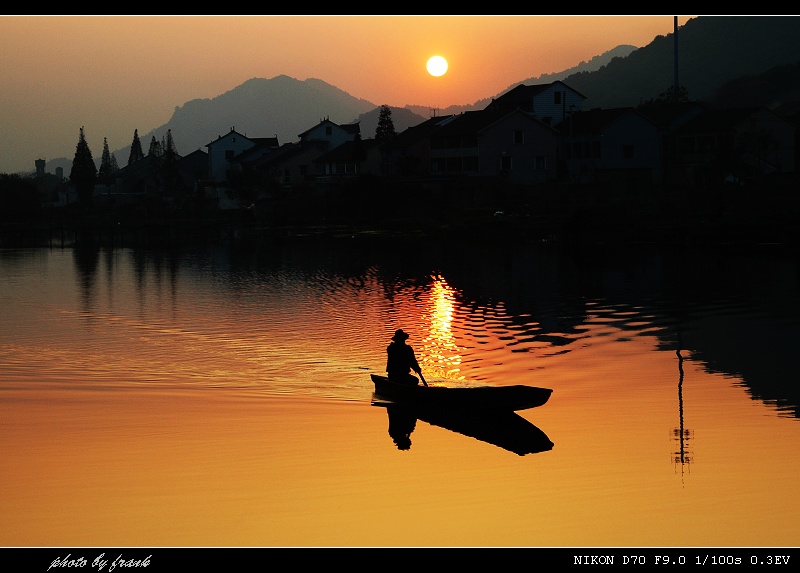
328 130
540 162
505 163
519 137
228 154
557 98
304 170
627 151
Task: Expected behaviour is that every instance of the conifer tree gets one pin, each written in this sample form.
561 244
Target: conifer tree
114 164
106 169
169 144
169 166
385 129
84 171
155 147
136 148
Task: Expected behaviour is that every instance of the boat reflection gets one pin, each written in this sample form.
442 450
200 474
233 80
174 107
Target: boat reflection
502 428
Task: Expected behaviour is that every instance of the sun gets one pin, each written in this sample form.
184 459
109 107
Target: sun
437 66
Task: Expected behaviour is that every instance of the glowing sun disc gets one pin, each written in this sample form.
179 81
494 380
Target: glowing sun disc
437 66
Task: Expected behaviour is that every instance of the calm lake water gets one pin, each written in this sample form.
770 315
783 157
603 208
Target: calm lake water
219 395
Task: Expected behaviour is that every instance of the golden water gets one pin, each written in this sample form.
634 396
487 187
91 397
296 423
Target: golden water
221 397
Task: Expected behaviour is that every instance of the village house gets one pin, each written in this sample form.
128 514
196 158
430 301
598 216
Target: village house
407 155
510 144
347 161
735 145
611 147
550 103
294 164
669 118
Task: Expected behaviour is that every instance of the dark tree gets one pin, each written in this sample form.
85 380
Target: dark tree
84 172
155 148
168 145
385 129
169 165
671 95
136 148
106 165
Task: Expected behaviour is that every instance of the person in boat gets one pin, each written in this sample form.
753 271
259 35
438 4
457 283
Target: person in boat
401 361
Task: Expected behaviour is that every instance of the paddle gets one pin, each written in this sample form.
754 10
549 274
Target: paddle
421 377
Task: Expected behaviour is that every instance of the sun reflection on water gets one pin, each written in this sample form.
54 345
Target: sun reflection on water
441 356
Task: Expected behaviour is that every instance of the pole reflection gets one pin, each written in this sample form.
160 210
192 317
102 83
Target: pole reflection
681 434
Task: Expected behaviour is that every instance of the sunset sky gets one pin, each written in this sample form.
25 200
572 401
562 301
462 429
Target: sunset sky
119 73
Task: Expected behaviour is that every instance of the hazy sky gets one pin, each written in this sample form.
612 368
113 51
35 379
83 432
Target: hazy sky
119 73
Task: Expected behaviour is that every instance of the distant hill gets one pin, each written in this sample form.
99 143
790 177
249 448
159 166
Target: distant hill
714 53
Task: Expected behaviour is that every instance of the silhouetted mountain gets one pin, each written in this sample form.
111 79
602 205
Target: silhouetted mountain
777 88
712 51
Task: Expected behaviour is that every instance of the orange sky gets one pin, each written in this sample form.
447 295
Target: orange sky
116 74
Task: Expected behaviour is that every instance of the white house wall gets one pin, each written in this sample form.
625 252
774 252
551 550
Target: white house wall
218 165
337 136
544 105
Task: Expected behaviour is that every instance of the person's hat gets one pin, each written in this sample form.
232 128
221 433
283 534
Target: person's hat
399 334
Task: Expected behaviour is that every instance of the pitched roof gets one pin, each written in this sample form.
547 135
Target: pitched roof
718 120
353 128
665 115
595 121
412 135
232 131
473 122
278 155
263 146
347 151
522 96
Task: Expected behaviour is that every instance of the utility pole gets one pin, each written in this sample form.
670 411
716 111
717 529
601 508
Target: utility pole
675 41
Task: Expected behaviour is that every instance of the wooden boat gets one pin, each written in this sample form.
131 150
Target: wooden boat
518 397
